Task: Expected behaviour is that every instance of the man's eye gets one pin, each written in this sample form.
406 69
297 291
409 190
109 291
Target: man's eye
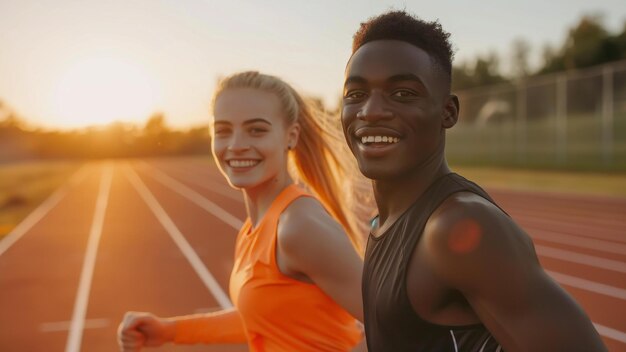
354 95
403 94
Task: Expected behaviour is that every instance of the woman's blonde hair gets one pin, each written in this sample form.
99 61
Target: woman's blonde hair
321 159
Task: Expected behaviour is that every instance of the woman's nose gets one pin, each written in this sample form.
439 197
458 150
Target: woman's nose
238 143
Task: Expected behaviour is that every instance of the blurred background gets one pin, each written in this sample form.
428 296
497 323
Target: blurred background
542 87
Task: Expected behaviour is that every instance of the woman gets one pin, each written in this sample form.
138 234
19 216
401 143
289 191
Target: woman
296 281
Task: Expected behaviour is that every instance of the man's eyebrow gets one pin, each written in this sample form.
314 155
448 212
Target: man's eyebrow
394 78
405 77
355 79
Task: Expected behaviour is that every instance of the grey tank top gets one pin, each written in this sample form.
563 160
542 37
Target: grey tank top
391 324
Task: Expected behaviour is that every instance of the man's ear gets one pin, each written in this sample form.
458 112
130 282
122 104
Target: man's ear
451 111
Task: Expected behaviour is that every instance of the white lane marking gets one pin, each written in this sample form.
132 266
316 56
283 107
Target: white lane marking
84 286
578 258
212 186
577 229
193 196
184 246
610 333
578 241
65 325
33 218
588 285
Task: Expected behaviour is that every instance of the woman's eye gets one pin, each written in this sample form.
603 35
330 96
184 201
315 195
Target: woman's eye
221 132
257 130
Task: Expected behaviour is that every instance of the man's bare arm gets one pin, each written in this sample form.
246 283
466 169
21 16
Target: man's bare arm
497 271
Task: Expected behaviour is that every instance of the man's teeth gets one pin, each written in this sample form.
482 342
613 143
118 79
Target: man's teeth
379 139
242 163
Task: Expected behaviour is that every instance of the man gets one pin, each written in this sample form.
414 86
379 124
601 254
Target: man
445 268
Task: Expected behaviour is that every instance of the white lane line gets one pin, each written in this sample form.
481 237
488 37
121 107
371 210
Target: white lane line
33 218
577 241
65 325
184 246
610 333
588 285
212 186
578 258
84 286
596 288
193 196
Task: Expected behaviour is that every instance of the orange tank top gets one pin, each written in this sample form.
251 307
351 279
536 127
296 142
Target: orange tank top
280 313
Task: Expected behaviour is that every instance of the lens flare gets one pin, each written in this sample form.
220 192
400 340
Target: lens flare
465 236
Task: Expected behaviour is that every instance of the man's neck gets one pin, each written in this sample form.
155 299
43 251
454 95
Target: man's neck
394 196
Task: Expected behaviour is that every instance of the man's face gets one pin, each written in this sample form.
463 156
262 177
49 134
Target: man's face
395 108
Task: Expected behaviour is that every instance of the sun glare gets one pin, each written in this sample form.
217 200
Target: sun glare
101 90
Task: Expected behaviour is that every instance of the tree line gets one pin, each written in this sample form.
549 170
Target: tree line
588 43
117 140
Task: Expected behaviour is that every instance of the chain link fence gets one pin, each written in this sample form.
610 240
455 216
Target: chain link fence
569 120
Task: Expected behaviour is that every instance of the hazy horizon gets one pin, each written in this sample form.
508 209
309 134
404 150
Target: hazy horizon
68 64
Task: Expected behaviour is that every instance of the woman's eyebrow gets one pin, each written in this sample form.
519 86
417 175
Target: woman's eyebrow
251 121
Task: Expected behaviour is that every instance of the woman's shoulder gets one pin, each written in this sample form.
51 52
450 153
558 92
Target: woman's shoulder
306 222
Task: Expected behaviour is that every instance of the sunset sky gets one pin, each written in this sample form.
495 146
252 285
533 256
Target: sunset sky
66 64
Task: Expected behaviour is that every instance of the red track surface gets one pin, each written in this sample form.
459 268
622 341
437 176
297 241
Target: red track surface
139 266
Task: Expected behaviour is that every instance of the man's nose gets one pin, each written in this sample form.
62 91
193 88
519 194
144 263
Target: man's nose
374 109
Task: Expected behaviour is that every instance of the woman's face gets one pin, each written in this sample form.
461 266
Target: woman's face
250 137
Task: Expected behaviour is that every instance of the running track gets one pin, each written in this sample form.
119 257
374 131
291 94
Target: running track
158 235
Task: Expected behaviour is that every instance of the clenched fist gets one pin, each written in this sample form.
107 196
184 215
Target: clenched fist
139 329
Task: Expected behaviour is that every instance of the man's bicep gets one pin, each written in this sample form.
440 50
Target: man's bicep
514 298
502 280
532 312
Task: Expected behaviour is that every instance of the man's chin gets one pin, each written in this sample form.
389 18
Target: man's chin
377 172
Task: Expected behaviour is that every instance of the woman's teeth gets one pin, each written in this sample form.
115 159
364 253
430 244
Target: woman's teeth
379 139
242 163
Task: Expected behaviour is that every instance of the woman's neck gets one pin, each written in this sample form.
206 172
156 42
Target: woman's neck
258 199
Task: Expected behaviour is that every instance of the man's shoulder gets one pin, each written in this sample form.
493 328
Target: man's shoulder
463 206
467 225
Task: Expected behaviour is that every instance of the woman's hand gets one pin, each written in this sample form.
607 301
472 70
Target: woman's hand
139 329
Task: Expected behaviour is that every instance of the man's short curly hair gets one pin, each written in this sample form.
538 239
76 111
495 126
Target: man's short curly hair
400 25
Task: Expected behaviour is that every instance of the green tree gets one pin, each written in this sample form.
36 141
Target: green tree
485 71
519 58
588 43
